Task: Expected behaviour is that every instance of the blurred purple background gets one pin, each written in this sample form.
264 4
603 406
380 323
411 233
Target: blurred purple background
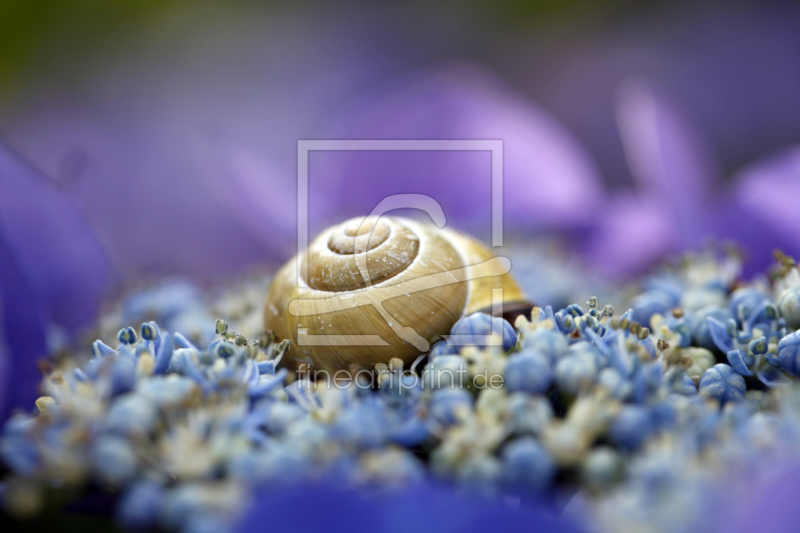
153 138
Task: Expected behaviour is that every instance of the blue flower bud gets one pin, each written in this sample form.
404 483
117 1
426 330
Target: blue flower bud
140 505
663 414
446 371
631 427
131 415
789 353
527 466
472 330
114 460
164 391
681 383
702 335
123 375
612 380
789 307
576 371
748 297
400 389
602 468
530 415
721 382
528 371
550 343
409 432
648 303
443 348
203 521
449 406
281 415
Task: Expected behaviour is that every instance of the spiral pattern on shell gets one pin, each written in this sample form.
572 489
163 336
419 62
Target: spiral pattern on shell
375 288
388 249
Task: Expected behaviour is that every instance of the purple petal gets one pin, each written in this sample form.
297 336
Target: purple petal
24 329
549 179
632 234
264 196
668 158
204 206
194 172
770 502
764 207
5 365
53 247
422 507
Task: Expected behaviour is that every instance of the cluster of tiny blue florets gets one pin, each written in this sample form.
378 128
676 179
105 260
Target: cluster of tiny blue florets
617 409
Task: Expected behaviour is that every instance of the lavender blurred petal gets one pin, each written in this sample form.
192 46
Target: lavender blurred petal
550 181
162 206
5 365
264 196
185 163
669 159
632 235
195 207
24 328
764 207
771 505
420 508
51 244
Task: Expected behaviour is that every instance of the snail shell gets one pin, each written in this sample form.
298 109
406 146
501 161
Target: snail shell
371 289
